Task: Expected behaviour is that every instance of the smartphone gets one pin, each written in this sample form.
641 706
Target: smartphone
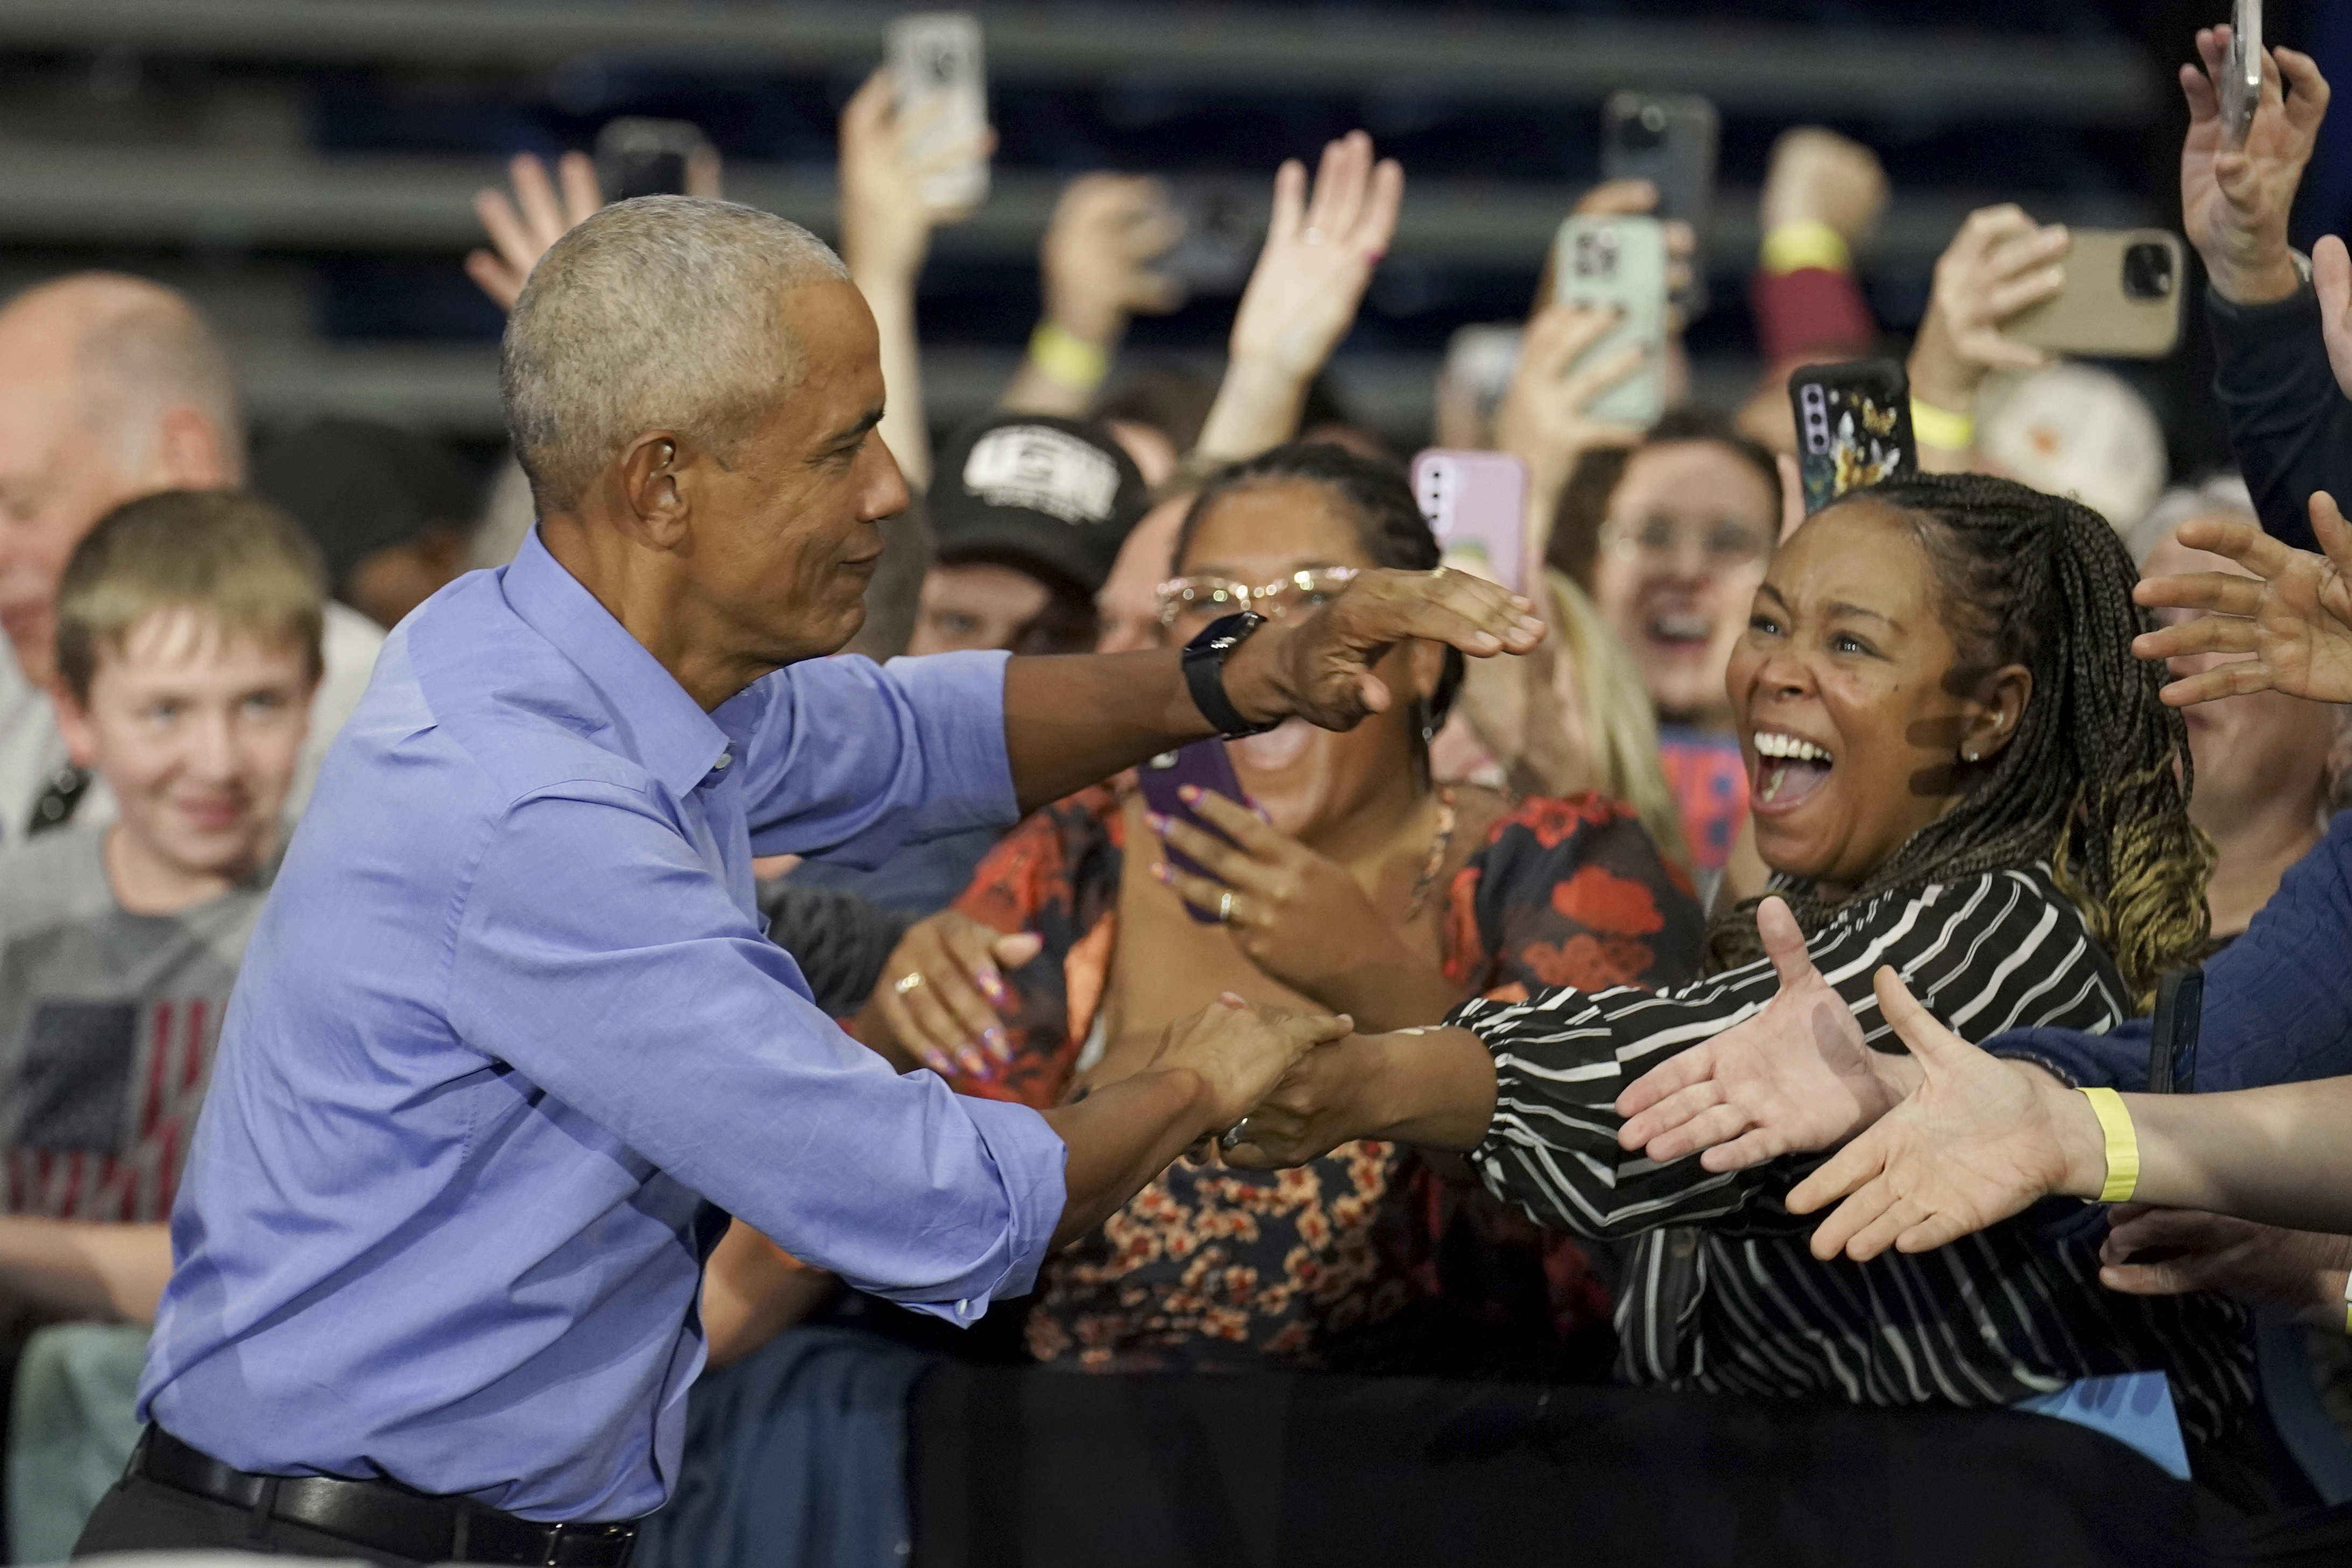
1476 505
2241 84
1225 228
1853 428
1668 139
637 157
1619 264
1204 763
936 55
2122 297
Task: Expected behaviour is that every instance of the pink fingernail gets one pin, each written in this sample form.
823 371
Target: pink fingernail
1189 793
974 1064
993 988
1160 871
1159 823
939 1065
998 1042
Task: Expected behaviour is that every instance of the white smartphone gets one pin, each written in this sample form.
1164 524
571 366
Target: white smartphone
937 67
2241 87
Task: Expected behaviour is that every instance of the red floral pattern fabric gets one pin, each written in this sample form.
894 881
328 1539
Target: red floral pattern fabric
1211 1266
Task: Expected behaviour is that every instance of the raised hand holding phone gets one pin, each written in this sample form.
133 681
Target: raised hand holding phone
1619 264
936 65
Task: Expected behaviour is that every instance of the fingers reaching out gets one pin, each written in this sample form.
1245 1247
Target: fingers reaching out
522 228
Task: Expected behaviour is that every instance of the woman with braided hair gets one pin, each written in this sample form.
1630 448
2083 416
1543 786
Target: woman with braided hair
1957 769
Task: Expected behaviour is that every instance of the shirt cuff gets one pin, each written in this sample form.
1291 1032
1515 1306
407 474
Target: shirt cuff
1030 1157
2293 318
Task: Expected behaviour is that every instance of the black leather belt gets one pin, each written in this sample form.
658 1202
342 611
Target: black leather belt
383 1517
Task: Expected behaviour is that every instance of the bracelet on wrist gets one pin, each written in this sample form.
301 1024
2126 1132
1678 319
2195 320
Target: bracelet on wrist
2122 1141
1801 242
1066 358
1940 428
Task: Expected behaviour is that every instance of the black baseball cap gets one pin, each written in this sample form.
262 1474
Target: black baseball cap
1053 498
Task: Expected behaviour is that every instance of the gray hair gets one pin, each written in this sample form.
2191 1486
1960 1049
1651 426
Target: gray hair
142 350
2216 495
660 313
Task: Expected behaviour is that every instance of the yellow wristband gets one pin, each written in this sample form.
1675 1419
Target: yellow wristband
2123 1144
1067 357
1804 242
1941 427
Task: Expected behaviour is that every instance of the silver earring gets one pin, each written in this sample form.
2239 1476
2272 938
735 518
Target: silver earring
1970 755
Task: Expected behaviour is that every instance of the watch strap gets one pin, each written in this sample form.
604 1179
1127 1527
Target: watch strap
1204 662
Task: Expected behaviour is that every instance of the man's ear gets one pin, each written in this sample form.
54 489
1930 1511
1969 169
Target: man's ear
73 724
654 488
2001 697
191 453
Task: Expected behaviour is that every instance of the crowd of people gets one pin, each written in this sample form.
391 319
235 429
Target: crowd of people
536 1000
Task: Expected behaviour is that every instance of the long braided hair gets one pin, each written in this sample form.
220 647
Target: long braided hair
2095 780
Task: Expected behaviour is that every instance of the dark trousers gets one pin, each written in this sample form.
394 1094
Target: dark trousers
142 1515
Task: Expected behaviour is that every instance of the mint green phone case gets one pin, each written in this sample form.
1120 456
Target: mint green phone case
1619 264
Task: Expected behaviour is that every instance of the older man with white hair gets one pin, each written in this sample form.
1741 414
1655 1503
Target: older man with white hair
111 388
508 1046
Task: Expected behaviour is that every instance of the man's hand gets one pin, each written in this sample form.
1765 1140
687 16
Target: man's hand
1977 1142
1795 1077
2299 1272
2294 615
2001 262
943 995
1433 1088
1239 1050
2234 201
1320 668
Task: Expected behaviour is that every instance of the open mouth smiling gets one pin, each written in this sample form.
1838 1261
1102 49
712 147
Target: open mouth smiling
1789 770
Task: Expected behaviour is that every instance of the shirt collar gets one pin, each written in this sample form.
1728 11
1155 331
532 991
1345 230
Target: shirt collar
658 723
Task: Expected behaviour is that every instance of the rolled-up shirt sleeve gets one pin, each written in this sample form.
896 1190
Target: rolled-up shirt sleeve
924 757
629 986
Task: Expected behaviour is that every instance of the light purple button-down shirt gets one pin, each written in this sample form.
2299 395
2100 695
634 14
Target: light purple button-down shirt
509 1028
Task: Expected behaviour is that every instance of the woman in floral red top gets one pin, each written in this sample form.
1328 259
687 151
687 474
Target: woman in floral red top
1359 889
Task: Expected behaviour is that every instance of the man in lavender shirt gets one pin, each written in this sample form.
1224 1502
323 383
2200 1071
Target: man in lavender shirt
510 1045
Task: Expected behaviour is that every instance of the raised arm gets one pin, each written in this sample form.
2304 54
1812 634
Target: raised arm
2290 428
1095 267
1982 1138
886 233
1302 296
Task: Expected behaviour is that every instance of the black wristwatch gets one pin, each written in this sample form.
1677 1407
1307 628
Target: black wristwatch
1205 672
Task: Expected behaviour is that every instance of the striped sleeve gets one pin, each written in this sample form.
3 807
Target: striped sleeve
1989 953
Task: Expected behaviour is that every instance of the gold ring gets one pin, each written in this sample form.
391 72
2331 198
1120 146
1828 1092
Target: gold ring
1225 906
905 983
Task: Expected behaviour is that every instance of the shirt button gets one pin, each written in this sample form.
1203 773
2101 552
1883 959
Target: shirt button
724 758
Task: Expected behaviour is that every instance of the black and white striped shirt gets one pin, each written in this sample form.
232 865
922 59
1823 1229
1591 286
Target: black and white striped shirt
1722 1294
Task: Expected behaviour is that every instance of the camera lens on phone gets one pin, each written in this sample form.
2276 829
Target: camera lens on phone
2147 271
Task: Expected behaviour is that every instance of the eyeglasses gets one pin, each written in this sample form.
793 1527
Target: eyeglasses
1723 544
1205 597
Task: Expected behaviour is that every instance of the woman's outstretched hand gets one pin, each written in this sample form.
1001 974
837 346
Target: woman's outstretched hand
943 995
1977 1142
2294 615
1795 1077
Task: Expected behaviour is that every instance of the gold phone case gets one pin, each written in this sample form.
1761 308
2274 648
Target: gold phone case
2098 312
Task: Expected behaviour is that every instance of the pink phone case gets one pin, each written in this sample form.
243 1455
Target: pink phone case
1476 505
1203 763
